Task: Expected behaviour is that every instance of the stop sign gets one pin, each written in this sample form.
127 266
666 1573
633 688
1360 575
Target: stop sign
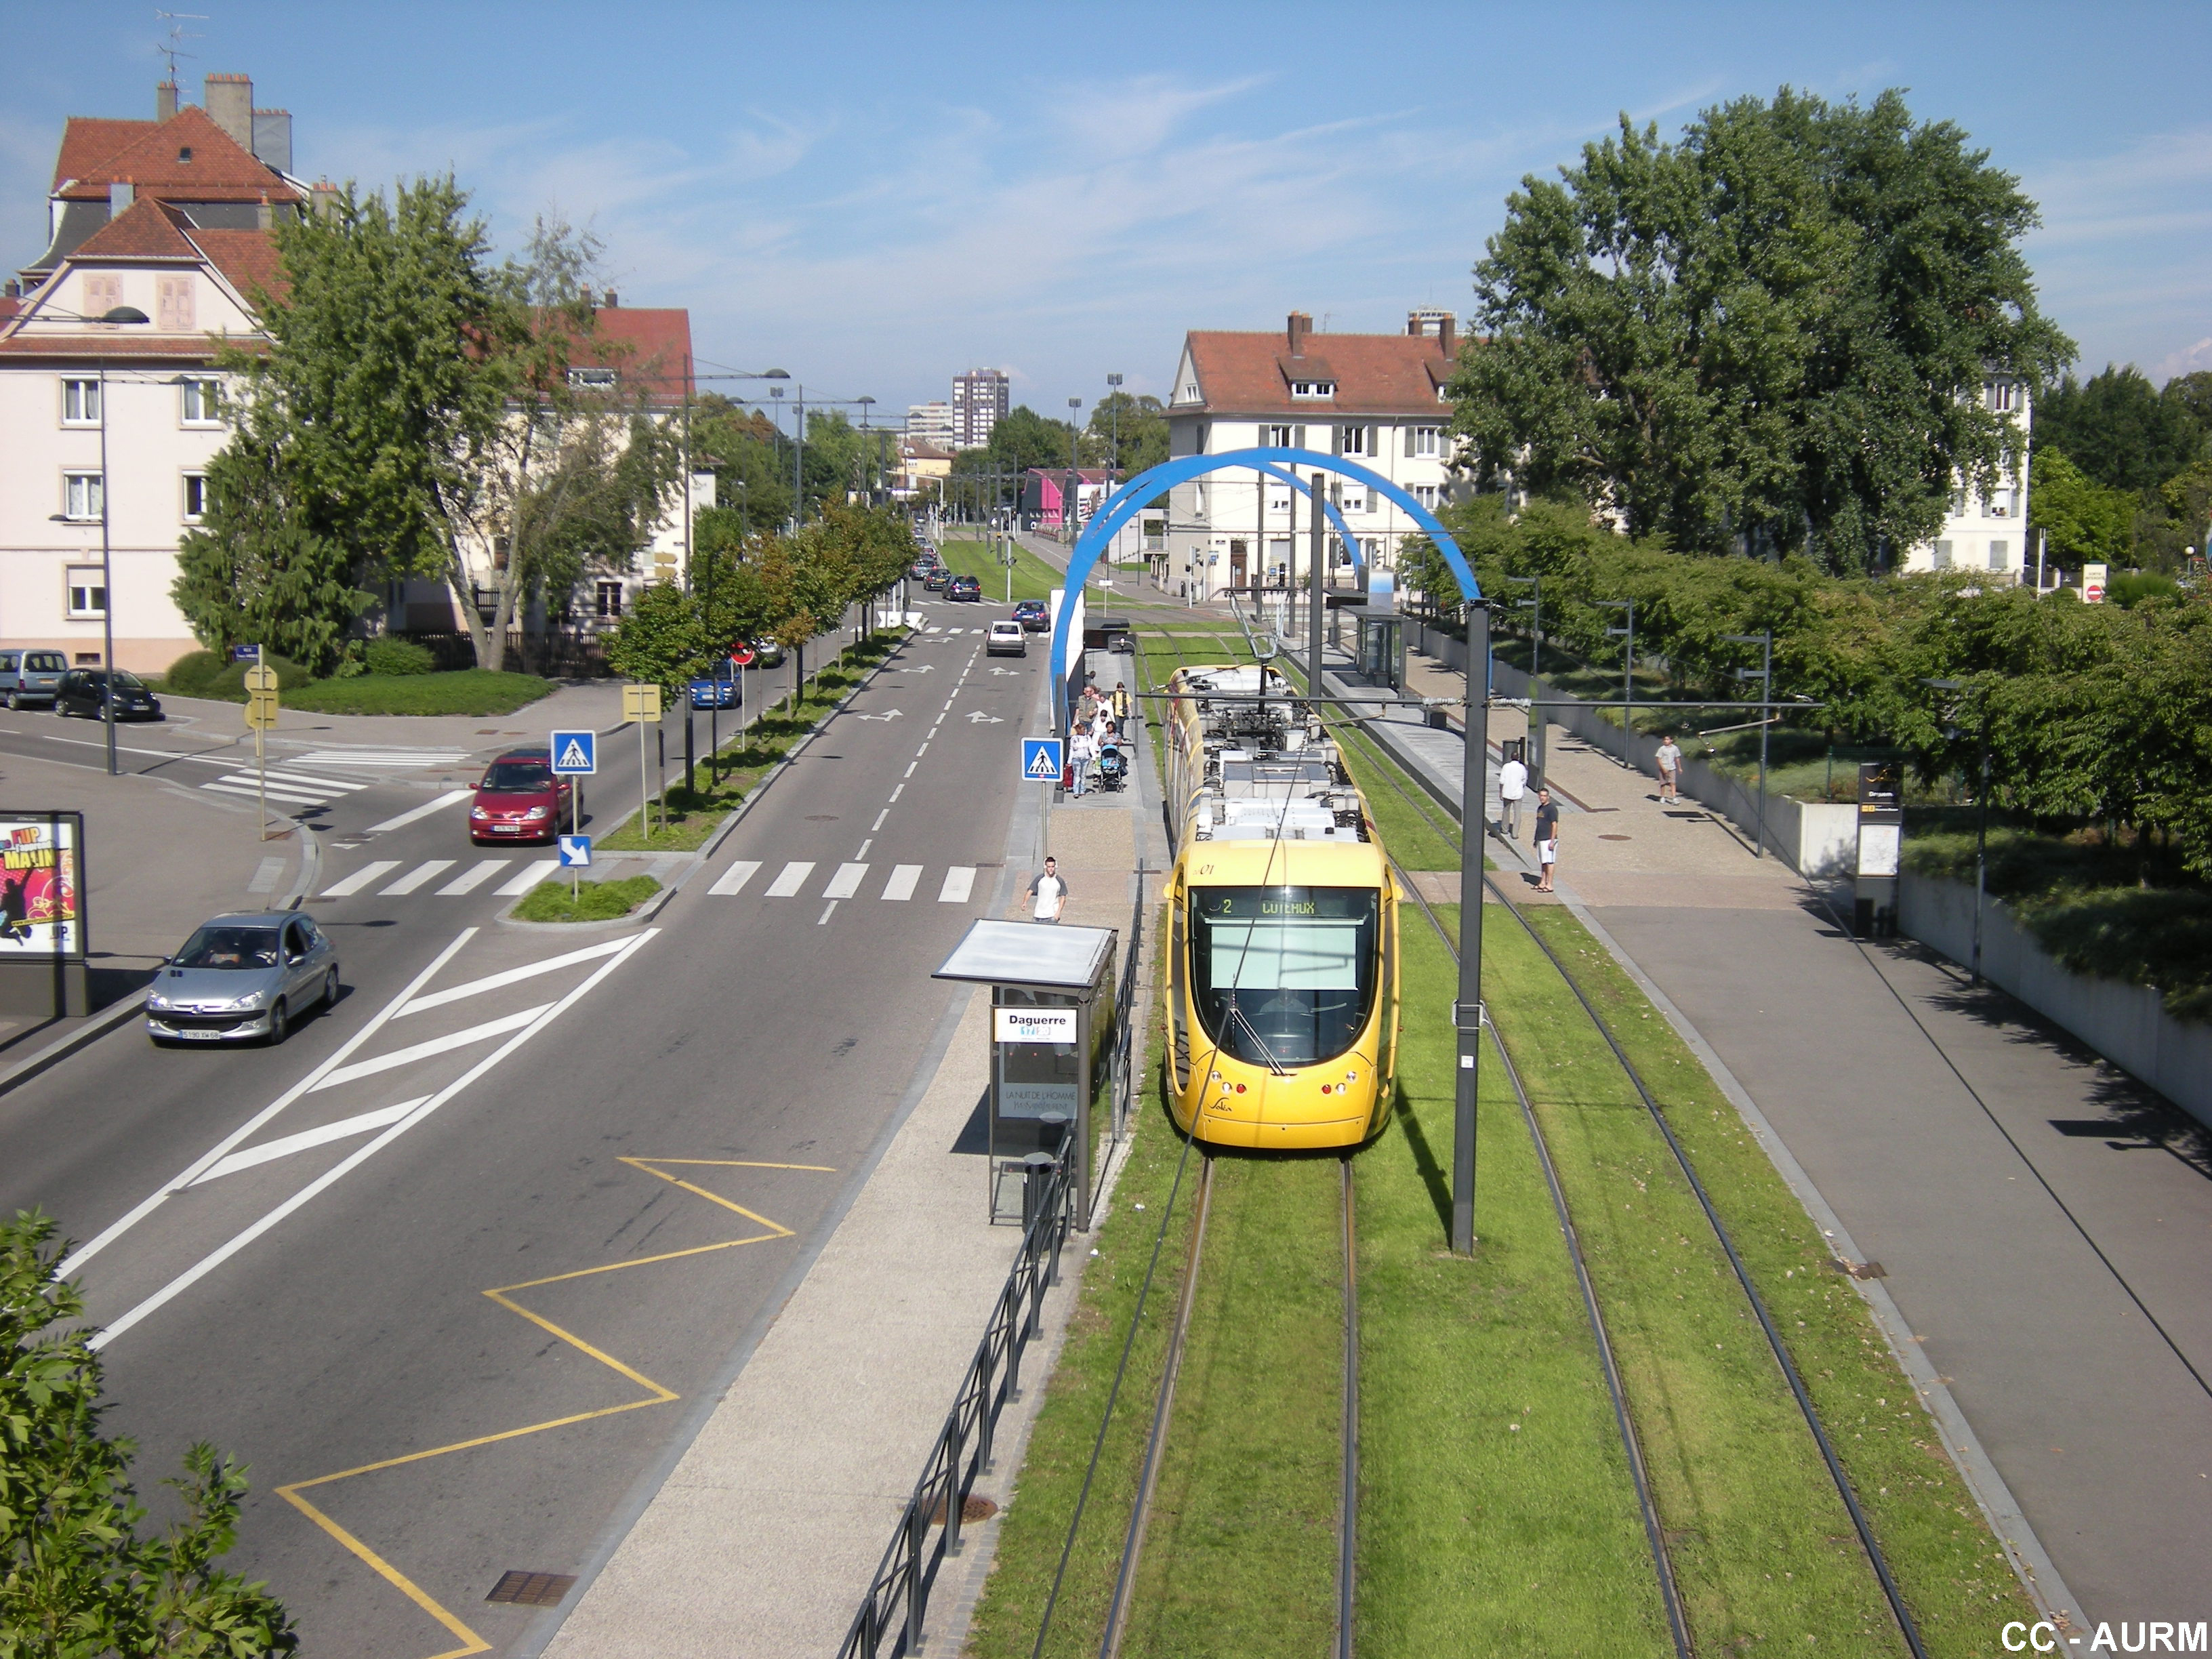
741 656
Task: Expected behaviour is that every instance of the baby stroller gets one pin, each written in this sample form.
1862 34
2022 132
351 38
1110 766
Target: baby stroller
1113 769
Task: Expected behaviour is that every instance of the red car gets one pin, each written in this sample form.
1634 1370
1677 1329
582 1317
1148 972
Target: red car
519 798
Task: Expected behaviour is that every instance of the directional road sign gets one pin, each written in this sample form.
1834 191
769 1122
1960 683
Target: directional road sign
575 852
1040 760
575 754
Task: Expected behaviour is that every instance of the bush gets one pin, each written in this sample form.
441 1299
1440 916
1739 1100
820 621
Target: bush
192 673
205 674
475 691
391 656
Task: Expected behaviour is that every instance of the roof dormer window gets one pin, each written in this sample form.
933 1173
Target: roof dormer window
185 153
597 380
1313 388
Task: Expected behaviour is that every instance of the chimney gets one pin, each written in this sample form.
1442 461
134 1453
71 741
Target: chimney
324 198
120 195
264 216
1447 332
229 101
614 300
165 100
1301 326
272 137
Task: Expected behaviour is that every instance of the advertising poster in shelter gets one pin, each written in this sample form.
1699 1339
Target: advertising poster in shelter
39 886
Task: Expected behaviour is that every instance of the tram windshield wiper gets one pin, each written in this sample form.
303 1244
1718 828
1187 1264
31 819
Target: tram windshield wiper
1258 1041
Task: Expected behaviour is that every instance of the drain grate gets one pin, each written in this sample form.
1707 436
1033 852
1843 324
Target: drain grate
531 1589
973 1508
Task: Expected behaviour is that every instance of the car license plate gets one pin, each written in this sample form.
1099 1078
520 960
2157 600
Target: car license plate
201 1036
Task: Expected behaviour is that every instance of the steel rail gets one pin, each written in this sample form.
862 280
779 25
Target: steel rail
1348 1536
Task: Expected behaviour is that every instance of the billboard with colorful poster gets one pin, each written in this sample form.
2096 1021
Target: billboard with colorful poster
41 885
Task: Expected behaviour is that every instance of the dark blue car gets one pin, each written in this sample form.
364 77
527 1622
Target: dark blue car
714 693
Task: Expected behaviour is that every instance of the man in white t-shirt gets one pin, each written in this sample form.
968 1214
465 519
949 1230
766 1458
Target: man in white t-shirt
1512 784
1048 893
1670 766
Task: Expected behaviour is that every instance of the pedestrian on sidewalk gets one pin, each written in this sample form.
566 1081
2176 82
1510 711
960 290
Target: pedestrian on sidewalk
1512 784
1670 766
1048 893
1121 703
1547 838
1082 750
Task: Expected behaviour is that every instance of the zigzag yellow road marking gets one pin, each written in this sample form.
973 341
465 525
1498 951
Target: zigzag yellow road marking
655 1395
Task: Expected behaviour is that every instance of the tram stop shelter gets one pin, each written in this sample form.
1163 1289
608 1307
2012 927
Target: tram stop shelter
1052 1038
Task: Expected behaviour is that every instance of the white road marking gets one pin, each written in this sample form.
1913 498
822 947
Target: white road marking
330 1177
385 757
828 910
440 1045
250 793
339 784
510 977
904 876
514 886
901 790
252 1125
787 886
910 765
360 879
269 1150
265 876
415 815
277 786
420 874
959 882
872 828
920 752
847 882
476 877
734 878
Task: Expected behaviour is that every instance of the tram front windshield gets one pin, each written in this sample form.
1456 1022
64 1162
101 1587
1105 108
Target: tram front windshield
1284 976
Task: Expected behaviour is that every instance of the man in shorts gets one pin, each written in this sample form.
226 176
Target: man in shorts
1670 766
1547 838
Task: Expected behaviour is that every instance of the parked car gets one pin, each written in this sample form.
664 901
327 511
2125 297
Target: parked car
938 579
767 654
31 677
84 691
519 798
240 978
1033 616
968 588
919 570
1006 639
720 692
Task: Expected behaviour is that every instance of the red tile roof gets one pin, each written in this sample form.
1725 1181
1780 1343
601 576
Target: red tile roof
144 230
96 154
193 349
647 348
247 259
1250 373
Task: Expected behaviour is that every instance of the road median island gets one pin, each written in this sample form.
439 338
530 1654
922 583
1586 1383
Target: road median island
591 901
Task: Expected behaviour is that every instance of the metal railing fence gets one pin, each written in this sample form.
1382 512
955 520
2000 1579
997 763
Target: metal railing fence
890 1620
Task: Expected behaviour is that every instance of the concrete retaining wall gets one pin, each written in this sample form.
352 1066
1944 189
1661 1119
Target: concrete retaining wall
2128 1024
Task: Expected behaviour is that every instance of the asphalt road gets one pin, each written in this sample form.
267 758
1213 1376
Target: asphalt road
454 1259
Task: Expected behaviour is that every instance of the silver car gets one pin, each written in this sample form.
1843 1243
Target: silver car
243 976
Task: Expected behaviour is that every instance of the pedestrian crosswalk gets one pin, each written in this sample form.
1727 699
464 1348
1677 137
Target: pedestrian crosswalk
384 760
847 881
285 787
357 883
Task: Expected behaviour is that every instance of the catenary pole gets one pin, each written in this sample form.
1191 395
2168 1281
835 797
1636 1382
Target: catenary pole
1466 1009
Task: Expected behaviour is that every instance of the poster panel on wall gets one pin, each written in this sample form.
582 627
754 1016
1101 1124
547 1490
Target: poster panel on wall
41 912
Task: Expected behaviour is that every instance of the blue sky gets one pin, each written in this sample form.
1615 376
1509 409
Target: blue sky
876 196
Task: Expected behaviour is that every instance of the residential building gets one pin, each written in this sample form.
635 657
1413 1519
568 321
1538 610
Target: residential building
932 423
1376 399
1985 531
980 399
922 467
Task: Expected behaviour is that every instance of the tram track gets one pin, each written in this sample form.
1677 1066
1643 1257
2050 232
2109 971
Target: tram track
1654 1529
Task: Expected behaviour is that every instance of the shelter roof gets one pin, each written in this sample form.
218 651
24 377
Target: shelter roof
1028 953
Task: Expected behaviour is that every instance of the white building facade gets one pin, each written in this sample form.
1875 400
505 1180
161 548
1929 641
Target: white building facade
980 398
1986 531
1377 399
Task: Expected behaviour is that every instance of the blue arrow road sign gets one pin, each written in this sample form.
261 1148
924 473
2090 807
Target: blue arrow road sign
575 852
1040 760
575 753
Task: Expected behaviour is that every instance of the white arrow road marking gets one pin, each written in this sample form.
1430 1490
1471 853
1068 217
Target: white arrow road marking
252 1125
269 1150
978 717
924 668
1008 672
452 797
891 715
330 1177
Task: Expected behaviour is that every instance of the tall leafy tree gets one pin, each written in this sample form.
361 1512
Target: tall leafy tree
2118 429
1770 335
2086 522
1130 433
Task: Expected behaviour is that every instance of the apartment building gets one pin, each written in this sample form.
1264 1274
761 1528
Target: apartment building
1376 399
980 398
1986 529
932 423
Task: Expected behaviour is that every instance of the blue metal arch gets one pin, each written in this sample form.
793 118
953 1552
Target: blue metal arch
1122 505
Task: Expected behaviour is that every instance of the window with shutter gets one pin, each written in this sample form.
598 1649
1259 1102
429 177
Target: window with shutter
103 292
173 303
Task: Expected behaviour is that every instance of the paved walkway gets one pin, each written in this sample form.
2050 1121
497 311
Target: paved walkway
763 1536
2044 1223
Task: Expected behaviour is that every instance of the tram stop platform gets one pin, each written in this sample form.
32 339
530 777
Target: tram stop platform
761 1533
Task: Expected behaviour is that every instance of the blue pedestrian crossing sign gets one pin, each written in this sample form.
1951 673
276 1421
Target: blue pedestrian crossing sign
575 754
575 852
1041 760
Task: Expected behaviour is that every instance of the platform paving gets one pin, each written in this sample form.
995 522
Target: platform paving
2043 1222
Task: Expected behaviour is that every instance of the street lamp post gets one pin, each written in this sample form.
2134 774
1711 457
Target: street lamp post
1627 656
1074 474
1764 675
1981 809
1467 1007
1113 462
1534 604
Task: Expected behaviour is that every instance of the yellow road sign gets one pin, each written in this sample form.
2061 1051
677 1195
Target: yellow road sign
261 709
260 678
641 702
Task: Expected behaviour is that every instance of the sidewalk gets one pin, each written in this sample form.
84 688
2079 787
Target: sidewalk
763 1536
159 860
1988 1164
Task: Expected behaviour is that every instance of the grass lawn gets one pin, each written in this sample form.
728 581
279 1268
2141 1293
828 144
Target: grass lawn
594 901
474 691
1033 579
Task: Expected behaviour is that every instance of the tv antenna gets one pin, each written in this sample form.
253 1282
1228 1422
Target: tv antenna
178 35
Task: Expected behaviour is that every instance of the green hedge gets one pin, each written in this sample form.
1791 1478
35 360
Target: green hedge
463 691
208 674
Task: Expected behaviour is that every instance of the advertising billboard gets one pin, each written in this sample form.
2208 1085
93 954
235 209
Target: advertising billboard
41 913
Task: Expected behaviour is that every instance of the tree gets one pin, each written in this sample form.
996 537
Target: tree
662 641
2087 523
751 460
1022 438
76 1580
1138 424
2118 430
1770 336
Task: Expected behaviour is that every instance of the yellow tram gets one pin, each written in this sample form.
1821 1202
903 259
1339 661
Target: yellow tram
1282 1004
